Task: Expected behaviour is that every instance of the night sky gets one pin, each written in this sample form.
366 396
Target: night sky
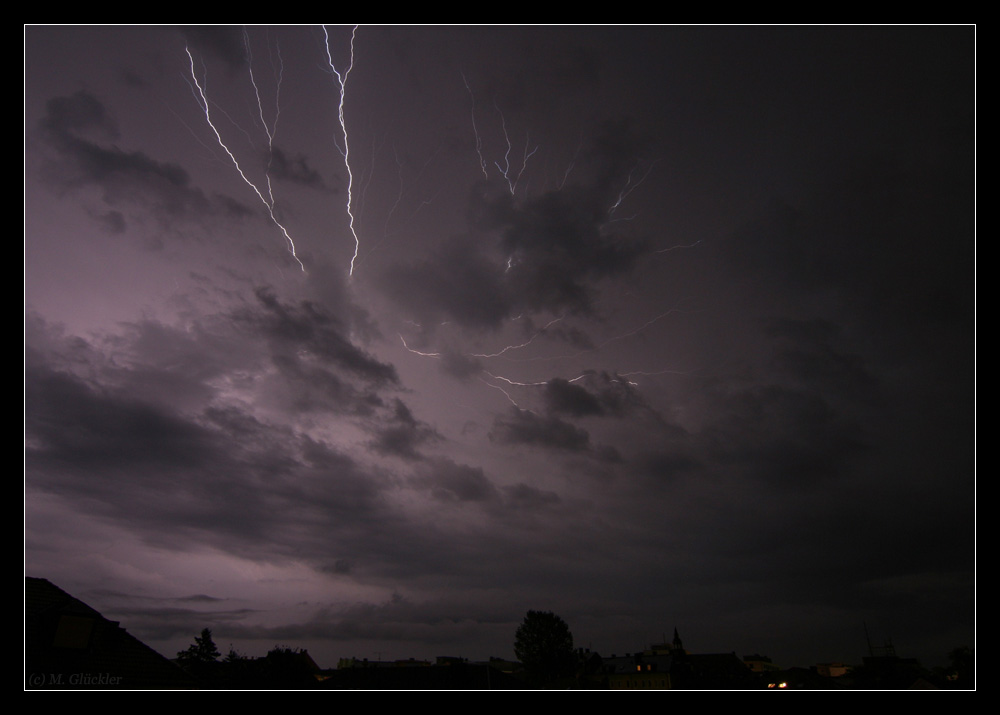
647 326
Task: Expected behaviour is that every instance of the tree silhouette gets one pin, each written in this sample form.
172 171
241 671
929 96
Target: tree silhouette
203 649
544 646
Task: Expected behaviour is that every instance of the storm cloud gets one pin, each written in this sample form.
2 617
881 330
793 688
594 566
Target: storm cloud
647 326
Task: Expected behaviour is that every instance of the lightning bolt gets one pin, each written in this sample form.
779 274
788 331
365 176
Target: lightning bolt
203 103
515 382
417 352
345 152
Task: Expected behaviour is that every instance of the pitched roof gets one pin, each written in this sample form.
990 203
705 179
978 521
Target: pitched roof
68 644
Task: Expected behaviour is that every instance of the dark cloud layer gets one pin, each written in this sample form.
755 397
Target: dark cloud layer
525 427
125 178
300 333
295 169
448 481
220 475
600 394
403 434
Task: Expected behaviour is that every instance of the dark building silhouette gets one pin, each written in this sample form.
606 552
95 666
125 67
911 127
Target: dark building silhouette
668 666
69 645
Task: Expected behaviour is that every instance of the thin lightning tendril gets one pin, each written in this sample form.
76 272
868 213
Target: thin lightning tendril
475 130
649 374
388 216
524 160
673 248
572 163
367 180
506 156
270 131
203 102
601 345
399 196
522 345
629 187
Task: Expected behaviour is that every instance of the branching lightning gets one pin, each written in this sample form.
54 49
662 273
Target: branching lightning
357 187
345 152
505 169
513 176
268 202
